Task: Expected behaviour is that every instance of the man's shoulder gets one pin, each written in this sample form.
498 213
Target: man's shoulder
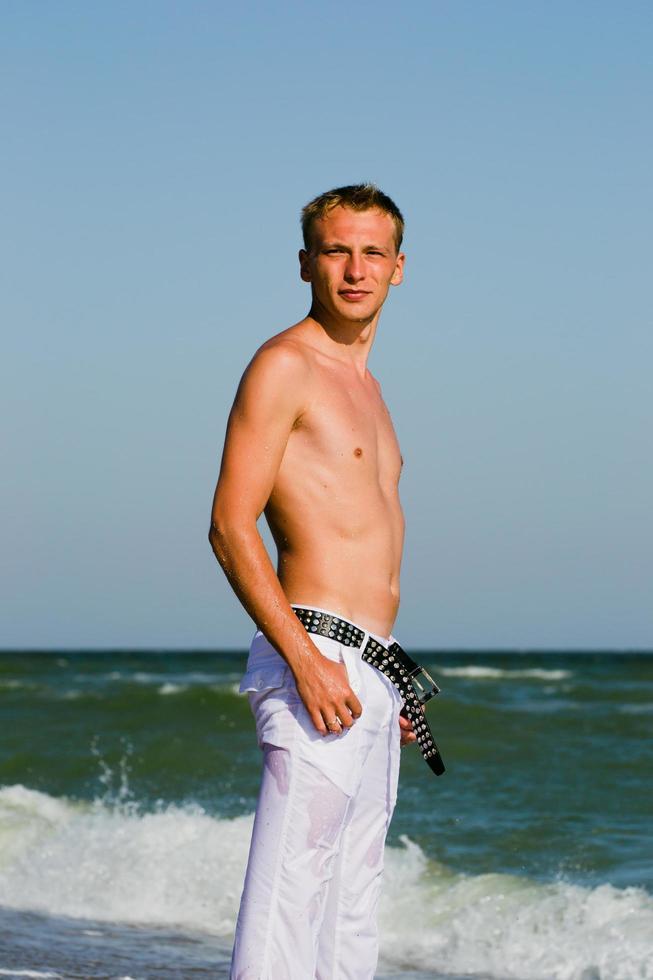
281 363
285 352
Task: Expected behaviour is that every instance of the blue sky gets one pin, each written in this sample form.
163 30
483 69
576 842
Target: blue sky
155 157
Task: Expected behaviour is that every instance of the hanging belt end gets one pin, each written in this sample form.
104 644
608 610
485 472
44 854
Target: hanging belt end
425 686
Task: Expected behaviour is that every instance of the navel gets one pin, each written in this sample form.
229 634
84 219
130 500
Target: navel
358 451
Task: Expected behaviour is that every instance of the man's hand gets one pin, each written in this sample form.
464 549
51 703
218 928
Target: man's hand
407 733
324 689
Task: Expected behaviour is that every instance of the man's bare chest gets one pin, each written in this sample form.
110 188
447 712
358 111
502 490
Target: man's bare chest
349 424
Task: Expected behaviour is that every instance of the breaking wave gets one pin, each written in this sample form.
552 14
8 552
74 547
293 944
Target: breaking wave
179 865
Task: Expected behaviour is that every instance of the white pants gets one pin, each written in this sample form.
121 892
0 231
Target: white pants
308 910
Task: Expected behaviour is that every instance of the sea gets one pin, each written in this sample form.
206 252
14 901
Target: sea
128 781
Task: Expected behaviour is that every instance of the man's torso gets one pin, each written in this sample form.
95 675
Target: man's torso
334 510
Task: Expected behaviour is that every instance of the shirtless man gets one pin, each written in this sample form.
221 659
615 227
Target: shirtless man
310 442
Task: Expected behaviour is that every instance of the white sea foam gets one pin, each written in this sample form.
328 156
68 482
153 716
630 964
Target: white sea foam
480 672
28 973
178 865
155 677
636 709
165 683
169 688
181 866
499 925
185 677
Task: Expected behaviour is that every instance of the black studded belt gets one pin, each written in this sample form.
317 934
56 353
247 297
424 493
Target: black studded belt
414 684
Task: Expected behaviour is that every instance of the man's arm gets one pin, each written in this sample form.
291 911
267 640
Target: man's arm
271 396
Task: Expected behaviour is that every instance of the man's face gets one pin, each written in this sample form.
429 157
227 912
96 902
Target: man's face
352 262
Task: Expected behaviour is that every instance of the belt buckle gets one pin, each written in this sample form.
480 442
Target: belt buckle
423 692
326 621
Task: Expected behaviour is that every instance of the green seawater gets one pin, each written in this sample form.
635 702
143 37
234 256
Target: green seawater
549 755
128 780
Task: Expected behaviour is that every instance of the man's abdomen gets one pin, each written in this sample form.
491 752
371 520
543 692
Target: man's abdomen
355 579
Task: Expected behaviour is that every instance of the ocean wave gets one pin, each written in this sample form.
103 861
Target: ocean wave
170 683
636 709
503 926
186 677
10 684
479 672
30 973
169 688
173 688
153 677
179 865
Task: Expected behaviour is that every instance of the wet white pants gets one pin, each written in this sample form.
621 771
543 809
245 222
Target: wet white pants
308 909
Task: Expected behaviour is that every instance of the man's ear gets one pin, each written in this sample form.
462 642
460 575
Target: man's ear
304 265
398 274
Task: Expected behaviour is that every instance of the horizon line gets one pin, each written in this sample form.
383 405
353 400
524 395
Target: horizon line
233 649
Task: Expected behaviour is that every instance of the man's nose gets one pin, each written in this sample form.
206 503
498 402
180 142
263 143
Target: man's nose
354 270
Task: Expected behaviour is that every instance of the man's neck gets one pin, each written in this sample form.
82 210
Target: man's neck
348 340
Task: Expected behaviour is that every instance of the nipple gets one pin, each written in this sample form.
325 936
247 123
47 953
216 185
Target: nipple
358 451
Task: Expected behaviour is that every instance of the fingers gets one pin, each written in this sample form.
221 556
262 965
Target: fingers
330 719
318 721
345 718
336 718
407 734
349 711
332 705
332 722
354 705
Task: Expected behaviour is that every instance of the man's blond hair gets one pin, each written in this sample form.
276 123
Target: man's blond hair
358 197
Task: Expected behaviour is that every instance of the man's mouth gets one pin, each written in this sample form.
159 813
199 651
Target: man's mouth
354 294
